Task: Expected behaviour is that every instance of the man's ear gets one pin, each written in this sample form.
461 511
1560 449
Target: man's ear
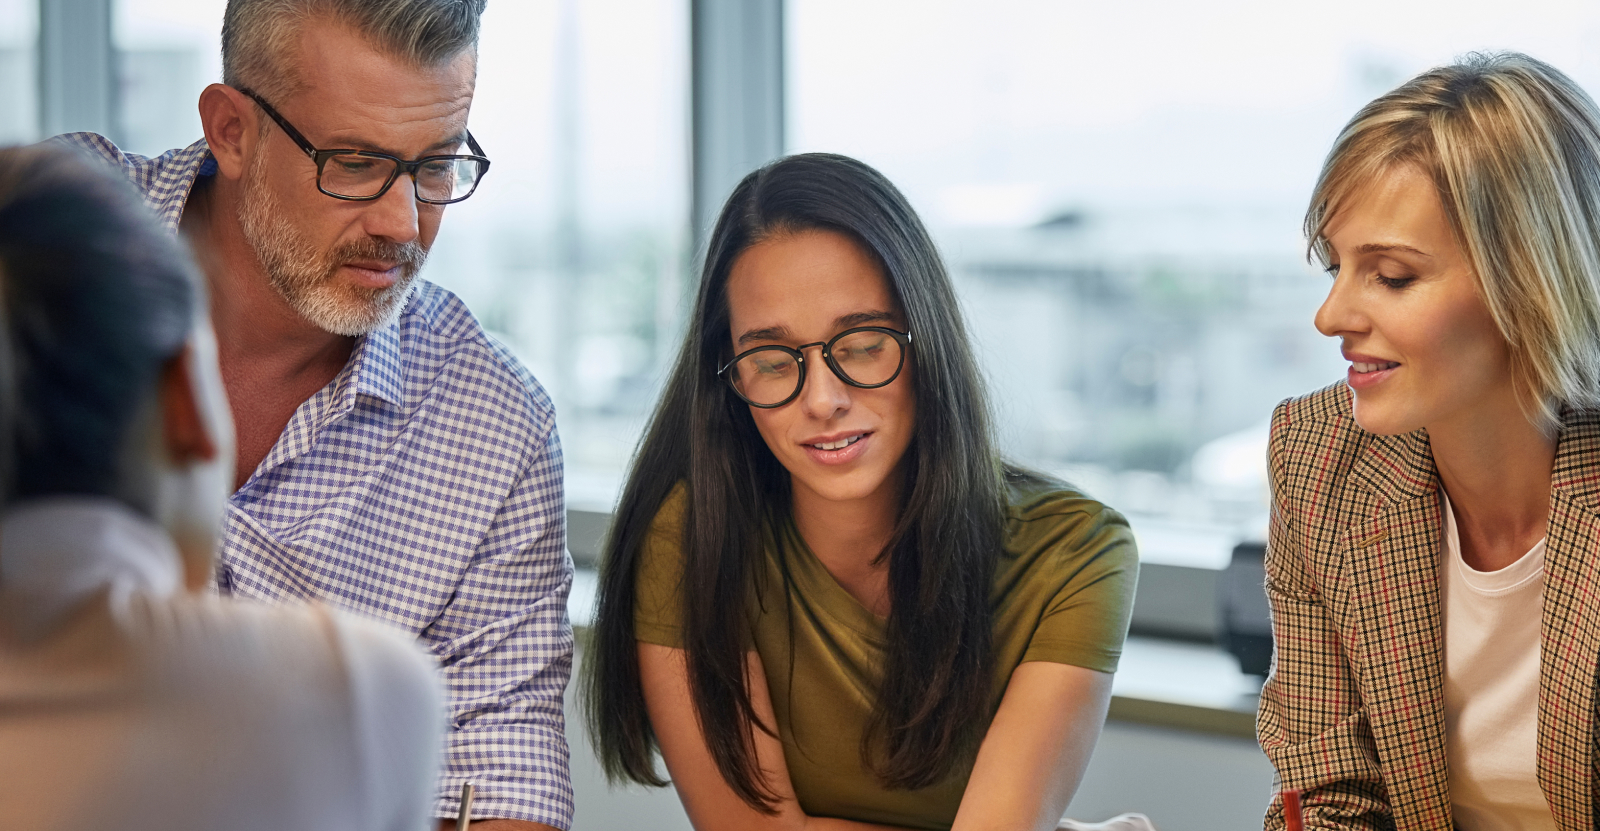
184 431
231 123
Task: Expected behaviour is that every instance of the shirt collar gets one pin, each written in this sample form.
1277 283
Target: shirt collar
375 366
186 166
59 551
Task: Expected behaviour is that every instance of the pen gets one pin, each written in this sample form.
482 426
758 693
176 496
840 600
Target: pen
466 807
1293 818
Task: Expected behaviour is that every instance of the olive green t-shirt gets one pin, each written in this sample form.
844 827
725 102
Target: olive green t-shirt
1063 591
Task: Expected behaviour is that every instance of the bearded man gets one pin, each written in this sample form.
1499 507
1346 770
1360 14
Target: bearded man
393 460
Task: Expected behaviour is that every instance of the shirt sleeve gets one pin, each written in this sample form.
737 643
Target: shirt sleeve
1086 622
658 608
506 670
1311 722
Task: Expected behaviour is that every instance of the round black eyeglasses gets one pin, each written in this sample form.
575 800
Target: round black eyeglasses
362 175
771 376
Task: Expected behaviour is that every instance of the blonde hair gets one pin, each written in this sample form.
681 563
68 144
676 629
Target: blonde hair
1513 146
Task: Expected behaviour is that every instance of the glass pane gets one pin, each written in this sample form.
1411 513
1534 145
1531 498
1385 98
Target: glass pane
168 51
19 102
573 248
1119 189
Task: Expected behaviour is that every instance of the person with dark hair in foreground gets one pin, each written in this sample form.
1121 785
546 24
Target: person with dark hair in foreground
126 700
826 600
394 459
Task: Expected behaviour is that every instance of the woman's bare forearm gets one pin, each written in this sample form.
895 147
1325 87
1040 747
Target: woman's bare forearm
1037 748
831 824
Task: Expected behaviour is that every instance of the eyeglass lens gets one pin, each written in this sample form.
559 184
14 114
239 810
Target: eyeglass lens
438 180
772 375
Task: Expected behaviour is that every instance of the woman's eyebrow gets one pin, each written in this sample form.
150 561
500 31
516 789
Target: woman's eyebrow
841 322
859 318
768 333
1379 247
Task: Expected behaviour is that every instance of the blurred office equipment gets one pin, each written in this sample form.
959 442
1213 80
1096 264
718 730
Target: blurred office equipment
1245 627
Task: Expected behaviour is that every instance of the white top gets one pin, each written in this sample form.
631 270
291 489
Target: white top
1491 688
125 703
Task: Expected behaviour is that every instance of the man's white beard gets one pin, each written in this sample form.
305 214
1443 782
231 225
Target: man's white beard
307 277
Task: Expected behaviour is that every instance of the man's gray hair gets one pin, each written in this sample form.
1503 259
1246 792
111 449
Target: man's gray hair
258 36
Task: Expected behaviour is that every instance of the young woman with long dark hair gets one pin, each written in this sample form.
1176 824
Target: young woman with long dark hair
826 600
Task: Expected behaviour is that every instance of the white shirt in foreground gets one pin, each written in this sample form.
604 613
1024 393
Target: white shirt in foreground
125 703
1491 688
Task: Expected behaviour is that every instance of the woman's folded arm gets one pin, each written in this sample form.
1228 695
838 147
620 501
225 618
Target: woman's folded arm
1037 748
711 804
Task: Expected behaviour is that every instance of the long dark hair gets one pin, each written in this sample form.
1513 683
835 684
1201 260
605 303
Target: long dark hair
935 689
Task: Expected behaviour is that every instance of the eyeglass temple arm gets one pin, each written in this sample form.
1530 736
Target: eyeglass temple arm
299 140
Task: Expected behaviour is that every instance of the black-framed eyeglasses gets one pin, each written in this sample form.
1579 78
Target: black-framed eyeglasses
867 357
362 175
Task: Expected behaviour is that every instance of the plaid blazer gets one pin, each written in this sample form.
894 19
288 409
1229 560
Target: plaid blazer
1353 712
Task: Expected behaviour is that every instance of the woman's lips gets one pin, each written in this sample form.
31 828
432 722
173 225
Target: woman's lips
842 455
1368 374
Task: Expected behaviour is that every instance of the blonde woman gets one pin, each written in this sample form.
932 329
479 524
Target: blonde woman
1434 565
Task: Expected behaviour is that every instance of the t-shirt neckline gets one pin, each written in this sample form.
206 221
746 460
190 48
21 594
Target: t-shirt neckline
822 590
1518 575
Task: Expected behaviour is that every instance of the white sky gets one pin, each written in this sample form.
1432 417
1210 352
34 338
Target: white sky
1074 103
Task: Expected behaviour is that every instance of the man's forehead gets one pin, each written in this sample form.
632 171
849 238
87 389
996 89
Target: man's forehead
350 88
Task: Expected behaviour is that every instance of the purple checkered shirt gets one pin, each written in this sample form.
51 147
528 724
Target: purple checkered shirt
422 487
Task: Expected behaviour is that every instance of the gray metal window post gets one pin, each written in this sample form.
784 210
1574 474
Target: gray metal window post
737 98
77 67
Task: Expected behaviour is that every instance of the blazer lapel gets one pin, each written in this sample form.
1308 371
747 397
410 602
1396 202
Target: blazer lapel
1390 562
1570 626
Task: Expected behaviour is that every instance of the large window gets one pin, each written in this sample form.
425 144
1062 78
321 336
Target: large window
573 251
19 103
1119 189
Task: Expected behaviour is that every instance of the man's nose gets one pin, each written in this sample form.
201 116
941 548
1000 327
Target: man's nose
393 216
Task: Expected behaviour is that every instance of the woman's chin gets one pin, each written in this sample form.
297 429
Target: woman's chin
842 486
1380 420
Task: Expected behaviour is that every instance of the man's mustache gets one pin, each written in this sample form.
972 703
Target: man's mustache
409 256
